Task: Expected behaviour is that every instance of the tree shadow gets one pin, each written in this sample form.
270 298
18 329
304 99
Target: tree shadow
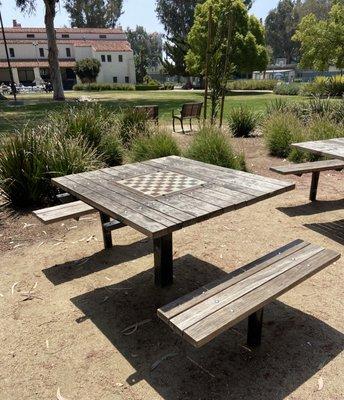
99 261
312 208
333 230
295 345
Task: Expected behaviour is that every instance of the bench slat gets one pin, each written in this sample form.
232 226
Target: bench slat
201 316
63 211
216 323
303 168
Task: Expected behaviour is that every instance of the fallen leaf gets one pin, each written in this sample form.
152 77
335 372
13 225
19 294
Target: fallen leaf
59 396
163 358
320 383
129 330
13 287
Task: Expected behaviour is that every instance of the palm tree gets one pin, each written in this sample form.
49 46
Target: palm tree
50 12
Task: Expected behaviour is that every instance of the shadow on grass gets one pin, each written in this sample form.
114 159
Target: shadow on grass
295 345
312 208
333 230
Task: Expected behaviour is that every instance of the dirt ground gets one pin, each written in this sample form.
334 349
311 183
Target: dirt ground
64 303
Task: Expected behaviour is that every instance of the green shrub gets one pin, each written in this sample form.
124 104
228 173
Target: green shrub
132 123
280 130
211 146
30 158
111 149
99 87
242 121
252 84
167 86
277 105
325 87
289 89
156 145
87 69
147 87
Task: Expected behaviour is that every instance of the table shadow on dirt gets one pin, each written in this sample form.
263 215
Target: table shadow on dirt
312 208
334 230
295 345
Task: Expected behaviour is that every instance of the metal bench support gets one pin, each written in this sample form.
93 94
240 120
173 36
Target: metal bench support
163 260
106 233
314 185
254 329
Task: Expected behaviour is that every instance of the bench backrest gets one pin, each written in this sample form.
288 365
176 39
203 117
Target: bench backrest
151 111
191 109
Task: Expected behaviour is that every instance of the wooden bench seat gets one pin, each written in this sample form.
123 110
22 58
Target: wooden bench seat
310 167
76 209
61 212
212 309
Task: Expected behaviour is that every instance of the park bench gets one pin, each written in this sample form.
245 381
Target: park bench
75 209
310 167
152 112
189 111
202 315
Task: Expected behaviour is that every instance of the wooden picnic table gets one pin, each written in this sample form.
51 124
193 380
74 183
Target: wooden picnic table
333 148
160 196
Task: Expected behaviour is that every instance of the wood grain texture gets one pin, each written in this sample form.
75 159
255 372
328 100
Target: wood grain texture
333 147
303 168
202 315
63 211
223 190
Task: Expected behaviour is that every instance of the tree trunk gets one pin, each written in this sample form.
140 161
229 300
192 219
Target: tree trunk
55 73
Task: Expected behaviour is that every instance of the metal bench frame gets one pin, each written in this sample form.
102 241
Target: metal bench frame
189 111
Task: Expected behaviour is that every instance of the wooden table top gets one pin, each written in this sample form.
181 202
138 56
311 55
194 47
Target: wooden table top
333 148
159 196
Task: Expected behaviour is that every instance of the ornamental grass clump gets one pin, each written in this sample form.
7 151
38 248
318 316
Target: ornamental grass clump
280 130
132 123
242 121
211 146
155 145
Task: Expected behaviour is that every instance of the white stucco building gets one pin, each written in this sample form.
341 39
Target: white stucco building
28 53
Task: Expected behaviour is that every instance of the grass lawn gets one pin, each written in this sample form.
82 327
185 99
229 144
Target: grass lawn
37 105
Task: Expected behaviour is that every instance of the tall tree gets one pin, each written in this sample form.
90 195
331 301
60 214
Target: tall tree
94 13
280 25
237 44
320 8
49 17
322 41
177 17
147 50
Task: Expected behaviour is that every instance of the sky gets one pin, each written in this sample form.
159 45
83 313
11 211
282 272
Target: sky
136 12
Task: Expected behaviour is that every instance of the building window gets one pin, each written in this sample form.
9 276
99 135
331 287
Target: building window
30 35
12 52
65 36
68 52
114 79
102 36
109 58
126 79
41 52
102 57
120 58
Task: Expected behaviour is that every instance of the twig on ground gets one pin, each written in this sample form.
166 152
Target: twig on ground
13 287
59 396
163 358
129 330
200 367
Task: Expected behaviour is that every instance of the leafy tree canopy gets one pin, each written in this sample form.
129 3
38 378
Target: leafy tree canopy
87 69
94 13
147 50
322 41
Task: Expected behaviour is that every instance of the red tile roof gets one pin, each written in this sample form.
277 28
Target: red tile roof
98 45
33 64
65 30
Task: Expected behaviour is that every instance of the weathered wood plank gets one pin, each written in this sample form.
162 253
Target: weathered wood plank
63 211
186 302
195 314
216 323
303 168
332 147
